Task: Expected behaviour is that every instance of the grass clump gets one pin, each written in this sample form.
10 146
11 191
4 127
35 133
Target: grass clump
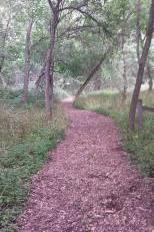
25 140
139 143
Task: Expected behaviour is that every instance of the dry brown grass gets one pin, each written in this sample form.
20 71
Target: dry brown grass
25 139
15 125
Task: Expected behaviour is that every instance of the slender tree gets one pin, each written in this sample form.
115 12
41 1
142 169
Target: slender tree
93 72
140 43
49 61
27 61
142 62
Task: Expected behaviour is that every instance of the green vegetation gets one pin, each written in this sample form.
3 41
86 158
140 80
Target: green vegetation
26 138
60 48
139 143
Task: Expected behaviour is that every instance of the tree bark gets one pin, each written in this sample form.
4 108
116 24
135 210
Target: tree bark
142 63
27 62
49 69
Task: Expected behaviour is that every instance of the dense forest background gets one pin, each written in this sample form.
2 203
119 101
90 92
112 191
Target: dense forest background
84 32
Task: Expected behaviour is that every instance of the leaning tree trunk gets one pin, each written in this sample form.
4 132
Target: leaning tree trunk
49 69
142 63
92 73
27 62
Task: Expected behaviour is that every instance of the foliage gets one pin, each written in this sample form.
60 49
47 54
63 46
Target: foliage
81 39
138 143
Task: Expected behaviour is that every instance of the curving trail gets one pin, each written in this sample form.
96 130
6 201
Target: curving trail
90 185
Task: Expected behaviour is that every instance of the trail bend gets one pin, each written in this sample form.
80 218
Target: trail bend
89 184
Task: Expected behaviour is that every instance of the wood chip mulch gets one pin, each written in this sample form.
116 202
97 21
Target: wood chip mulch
89 184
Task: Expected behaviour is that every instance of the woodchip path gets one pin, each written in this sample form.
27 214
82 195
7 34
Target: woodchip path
89 184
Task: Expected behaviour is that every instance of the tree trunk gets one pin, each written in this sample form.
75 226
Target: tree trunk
140 41
27 62
4 43
91 74
49 69
142 63
138 29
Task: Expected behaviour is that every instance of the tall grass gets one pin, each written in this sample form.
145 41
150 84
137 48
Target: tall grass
139 143
25 140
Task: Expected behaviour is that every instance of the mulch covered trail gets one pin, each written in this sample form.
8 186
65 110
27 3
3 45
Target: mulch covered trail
89 185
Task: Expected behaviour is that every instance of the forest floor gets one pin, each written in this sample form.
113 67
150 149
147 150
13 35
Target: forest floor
89 184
